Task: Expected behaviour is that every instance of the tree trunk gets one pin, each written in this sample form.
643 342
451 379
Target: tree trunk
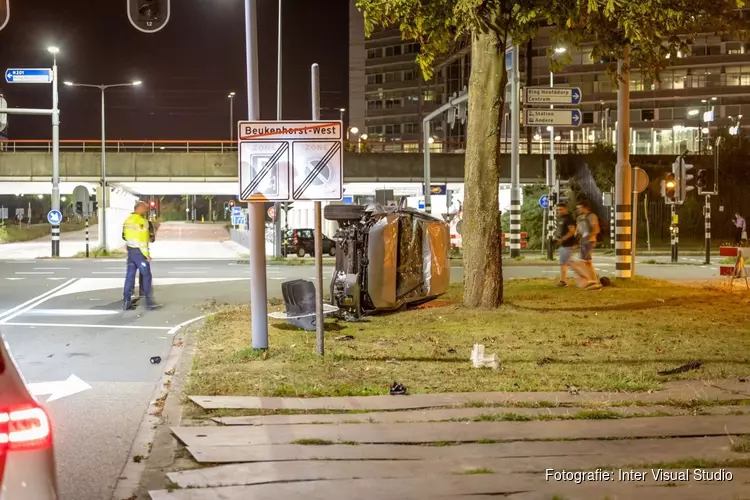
210 209
483 268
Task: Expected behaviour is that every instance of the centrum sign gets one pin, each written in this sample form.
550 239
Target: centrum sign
290 130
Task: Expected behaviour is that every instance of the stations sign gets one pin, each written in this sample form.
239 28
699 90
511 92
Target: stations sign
554 117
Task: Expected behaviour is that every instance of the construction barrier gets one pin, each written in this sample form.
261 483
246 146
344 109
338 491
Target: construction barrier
524 237
727 269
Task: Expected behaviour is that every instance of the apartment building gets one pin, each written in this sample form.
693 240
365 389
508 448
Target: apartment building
702 90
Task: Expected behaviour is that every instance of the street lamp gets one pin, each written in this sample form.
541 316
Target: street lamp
231 114
362 137
353 130
103 197
693 112
342 111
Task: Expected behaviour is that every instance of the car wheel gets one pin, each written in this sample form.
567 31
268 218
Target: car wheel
344 212
300 252
332 251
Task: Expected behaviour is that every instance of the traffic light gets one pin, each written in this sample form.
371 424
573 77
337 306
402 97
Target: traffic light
231 203
702 180
226 206
669 187
4 13
149 16
79 207
153 204
685 179
95 206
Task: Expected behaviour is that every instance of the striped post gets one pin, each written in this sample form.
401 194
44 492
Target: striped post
623 240
515 222
87 237
550 228
707 215
612 227
673 231
55 241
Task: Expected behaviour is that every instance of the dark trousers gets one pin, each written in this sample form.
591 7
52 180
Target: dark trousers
137 263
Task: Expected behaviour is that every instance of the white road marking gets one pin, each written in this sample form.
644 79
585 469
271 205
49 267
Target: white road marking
59 389
56 279
102 326
19 309
193 268
51 268
15 279
35 272
72 312
187 272
121 271
186 323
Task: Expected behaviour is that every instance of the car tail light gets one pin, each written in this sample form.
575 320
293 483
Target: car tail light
24 429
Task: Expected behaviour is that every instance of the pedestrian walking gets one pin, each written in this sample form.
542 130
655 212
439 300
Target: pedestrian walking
740 229
151 239
587 230
135 231
566 238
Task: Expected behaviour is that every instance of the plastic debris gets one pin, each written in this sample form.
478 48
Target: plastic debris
480 360
398 389
155 360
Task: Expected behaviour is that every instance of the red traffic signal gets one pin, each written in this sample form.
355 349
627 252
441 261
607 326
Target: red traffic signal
153 204
231 203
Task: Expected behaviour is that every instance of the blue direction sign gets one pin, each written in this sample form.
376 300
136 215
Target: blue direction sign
348 200
548 95
555 117
35 75
544 201
238 220
54 217
236 211
421 204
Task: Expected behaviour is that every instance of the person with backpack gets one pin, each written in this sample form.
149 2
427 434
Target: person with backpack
566 238
587 230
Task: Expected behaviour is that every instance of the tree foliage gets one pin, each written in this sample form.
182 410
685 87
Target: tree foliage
652 30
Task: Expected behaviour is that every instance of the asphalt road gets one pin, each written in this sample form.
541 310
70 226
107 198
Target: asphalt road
63 322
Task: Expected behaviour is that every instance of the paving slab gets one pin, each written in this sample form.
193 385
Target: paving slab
715 448
432 415
729 390
315 470
512 486
467 431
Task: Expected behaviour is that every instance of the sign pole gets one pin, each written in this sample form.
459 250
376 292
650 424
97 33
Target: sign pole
277 205
623 209
87 236
515 159
707 222
319 318
255 211
633 234
55 159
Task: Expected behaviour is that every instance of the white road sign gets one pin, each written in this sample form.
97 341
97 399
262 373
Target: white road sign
550 95
283 161
556 117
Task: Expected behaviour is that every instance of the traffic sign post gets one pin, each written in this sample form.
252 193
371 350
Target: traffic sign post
54 217
32 75
44 75
285 161
271 212
552 95
544 201
553 117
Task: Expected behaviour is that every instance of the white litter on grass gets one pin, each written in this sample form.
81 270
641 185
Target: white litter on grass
480 360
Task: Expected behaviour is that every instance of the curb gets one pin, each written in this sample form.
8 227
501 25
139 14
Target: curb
153 441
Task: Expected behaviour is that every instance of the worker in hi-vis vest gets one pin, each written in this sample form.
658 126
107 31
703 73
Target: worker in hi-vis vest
135 232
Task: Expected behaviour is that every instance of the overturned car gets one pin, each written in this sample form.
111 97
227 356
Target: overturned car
387 258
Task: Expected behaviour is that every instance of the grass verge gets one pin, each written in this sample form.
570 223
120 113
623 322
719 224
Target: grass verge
546 338
18 234
100 253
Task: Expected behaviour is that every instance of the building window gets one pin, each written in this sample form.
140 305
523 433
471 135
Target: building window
428 96
394 50
647 115
392 103
374 129
373 105
392 76
412 99
410 75
411 48
665 114
411 128
375 79
374 53
588 117
392 129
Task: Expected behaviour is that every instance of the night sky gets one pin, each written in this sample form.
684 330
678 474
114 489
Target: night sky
188 68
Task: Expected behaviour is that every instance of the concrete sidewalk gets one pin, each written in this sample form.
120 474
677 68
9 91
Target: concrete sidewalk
514 445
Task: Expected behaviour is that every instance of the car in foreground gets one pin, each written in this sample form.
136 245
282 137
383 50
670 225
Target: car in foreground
301 242
27 459
387 258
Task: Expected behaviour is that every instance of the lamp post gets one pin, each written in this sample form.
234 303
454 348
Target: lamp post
55 201
351 130
103 199
551 171
231 115
342 111
362 137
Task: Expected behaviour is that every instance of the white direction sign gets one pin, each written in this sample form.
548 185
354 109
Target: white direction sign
283 161
556 117
556 95
30 75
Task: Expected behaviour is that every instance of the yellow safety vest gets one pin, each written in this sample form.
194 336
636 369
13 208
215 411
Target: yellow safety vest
135 233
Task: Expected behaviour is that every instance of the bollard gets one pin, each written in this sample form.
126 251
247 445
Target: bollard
87 237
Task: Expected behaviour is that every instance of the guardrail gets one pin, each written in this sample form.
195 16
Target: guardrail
219 146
